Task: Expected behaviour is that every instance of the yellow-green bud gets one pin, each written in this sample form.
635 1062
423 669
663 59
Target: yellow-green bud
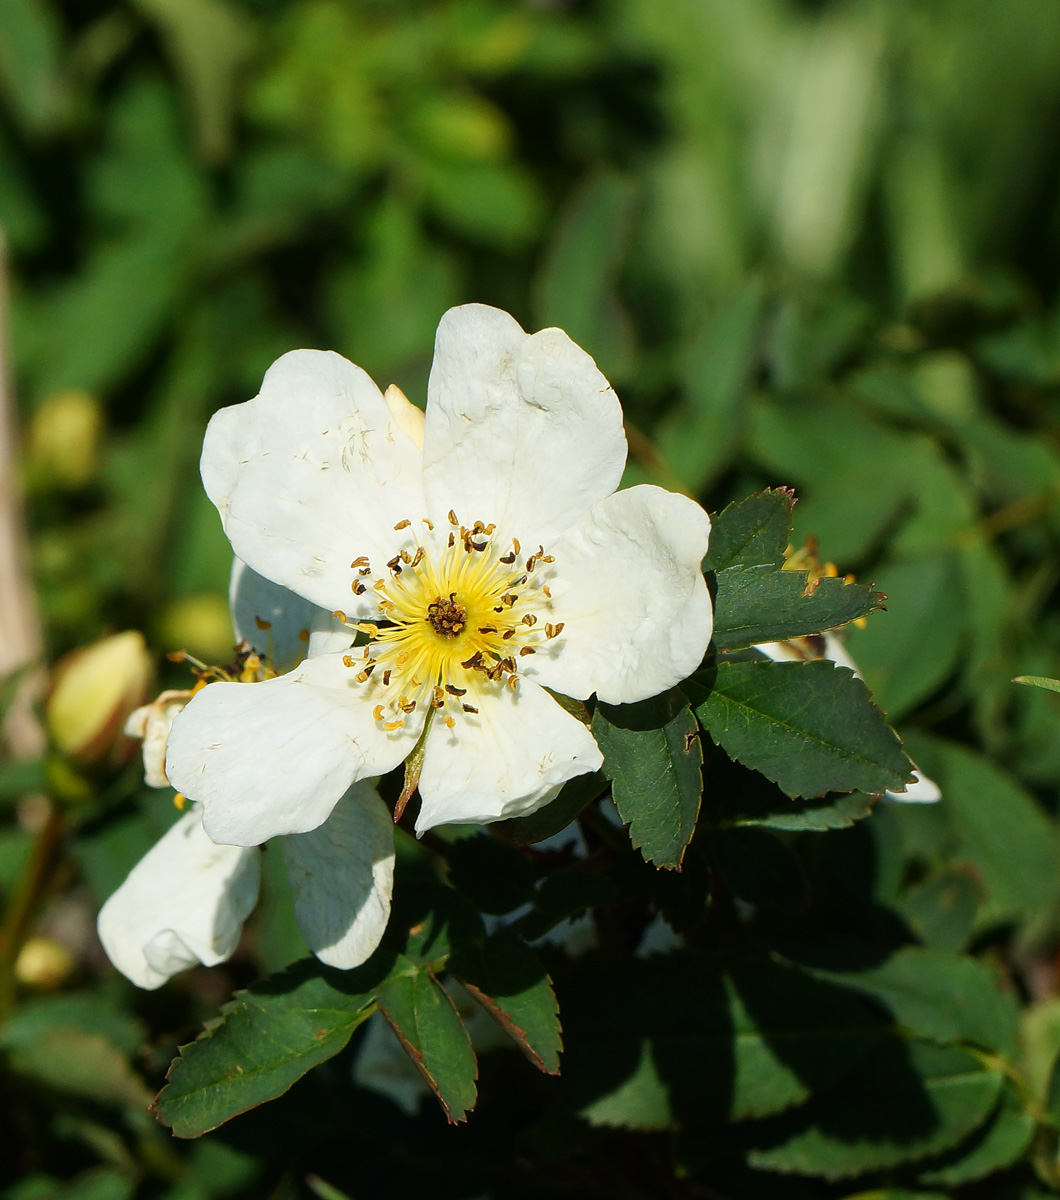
62 449
93 692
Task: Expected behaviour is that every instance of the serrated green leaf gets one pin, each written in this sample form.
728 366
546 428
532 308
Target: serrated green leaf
761 604
990 1149
832 812
751 533
421 1013
925 1099
809 727
504 976
495 877
653 757
656 1041
81 1064
939 995
266 1039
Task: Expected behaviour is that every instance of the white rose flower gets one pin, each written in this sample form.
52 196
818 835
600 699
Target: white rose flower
186 900
828 645
481 552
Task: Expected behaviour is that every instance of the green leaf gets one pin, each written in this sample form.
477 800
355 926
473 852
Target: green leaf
79 1011
925 1099
654 1041
991 1149
751 533
831 812
653 757
699 436
761 604
759 868
496 878
809 727
265 1040
1052 685
423 1016
939 995
941 911
999 827
504 976
576 795
81 1064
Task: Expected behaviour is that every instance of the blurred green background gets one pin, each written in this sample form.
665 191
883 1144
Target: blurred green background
810 243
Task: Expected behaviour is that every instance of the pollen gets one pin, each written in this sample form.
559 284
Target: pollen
457 609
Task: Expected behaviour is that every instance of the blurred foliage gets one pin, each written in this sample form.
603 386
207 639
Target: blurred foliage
812 244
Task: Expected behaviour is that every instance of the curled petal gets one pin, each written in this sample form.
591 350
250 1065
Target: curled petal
522 431
274 758
507 760
630 592
277 623
342 874
310 475
183 903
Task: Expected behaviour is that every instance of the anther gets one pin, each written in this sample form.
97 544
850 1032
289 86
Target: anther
508 633
377 712
390 726
529 619
368 628
339 615
263 625
449 722
452 541
469 708
358 587
515 544
507 559
403 524
347 660
547 558
474 662
359 562
455 691
303 635
386 678
438 699
428 522
487 629
362 676
453 518
552 631
524 650
365 571
419 556
402 658
548 594
513 681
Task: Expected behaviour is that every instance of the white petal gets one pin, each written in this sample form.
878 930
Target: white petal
408 417
508 760
522 431
311 474
291 621
921 791
273 758
341 877
630 592
183 903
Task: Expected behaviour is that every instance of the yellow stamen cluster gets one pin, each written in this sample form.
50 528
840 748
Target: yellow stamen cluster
457 610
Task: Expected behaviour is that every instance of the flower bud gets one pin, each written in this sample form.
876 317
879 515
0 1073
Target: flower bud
94 691
44 963
63 444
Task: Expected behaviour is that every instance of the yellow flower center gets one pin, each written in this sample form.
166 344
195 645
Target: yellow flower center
457 612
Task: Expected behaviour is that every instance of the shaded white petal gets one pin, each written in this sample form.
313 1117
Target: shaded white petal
273 758
522 431
921 791
152 724
409 418
183 903
291 621
311 474
630 592
508 760
342 874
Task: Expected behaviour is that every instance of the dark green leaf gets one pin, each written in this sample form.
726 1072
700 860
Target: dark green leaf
654 1041
939 995
941 911
832 812
759 868
925 1099
810 727
503 974
428 1026
762 604
987 1150
575 796
751 533
495 877
266 1039
653 757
